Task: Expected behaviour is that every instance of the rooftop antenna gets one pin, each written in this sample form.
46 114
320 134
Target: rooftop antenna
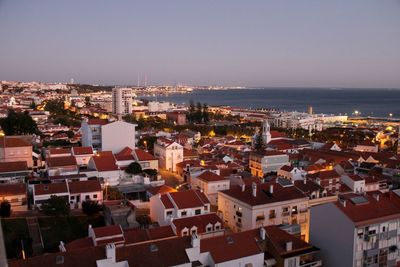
138 79
145 80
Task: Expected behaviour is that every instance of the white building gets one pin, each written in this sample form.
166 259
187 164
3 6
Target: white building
210 183
117 135
248 207
105 166
82 155
361 230
169 153
121 101
155 106
292 173
164 208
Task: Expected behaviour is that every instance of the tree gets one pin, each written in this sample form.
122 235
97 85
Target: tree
199 113
56 206
258 142
90 207
87 100
134 168
192 110
5 209
147 142
113 194
205 116
20 123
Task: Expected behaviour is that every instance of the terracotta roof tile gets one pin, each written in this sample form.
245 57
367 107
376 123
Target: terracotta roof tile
14 166
84 186
55 162
87 150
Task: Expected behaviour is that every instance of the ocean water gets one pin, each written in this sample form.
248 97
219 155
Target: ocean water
369 102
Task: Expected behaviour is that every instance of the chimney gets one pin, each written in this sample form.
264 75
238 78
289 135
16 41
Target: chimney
376 196
305 180
195 241
289 246
243 187
254 189
271 189
110 252
90 230
262 233
344 203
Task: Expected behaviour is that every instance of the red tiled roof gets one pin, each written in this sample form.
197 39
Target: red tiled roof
210 177
125 154
200 221
106 231
133 236
61 161
97 122
86 242
12 189
162 189
105 161
263 196
287 168
189 199
50 189
84 186
143 155
373 211
11 141
166 202
58 151
13 166
87 150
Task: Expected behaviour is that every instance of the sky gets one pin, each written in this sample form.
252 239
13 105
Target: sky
309 43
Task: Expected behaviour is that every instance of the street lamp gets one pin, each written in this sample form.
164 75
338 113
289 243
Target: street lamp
390 115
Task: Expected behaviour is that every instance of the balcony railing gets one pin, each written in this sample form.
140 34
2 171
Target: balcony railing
260 218
285 213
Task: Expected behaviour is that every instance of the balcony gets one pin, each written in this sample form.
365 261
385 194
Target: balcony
272 216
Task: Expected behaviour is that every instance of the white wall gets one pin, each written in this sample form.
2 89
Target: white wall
118 135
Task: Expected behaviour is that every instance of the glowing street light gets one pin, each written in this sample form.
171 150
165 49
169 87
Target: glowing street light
107 184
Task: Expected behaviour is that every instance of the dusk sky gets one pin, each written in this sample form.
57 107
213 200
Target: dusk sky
340 43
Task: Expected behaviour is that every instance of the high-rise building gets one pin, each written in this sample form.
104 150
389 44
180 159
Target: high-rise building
122 101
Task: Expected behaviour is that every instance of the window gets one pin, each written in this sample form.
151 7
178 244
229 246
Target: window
185 232
194 231
183 213
72 197
217 227
272 214
169 213
209 229
94 196
205 207
87 197
197 212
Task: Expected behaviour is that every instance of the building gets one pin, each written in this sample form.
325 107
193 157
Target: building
15 148
164 208
82 155
169 153
177 118
81 191
267 246
117 135
91 132
145 159
205 225
359 230
61 165
210 183
121 101
248 207
13 172
292 173
328 179
105 164
42 192
367 146
264 162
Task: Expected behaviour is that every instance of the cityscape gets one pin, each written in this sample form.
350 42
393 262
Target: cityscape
175 163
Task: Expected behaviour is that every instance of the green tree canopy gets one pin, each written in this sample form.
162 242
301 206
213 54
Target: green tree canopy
56 206
18 123
134 168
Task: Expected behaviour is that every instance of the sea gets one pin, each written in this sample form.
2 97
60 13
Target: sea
383 103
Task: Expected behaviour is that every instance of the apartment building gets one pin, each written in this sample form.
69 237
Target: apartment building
121 101
91 132
358 230
248 207
264 162
210 183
